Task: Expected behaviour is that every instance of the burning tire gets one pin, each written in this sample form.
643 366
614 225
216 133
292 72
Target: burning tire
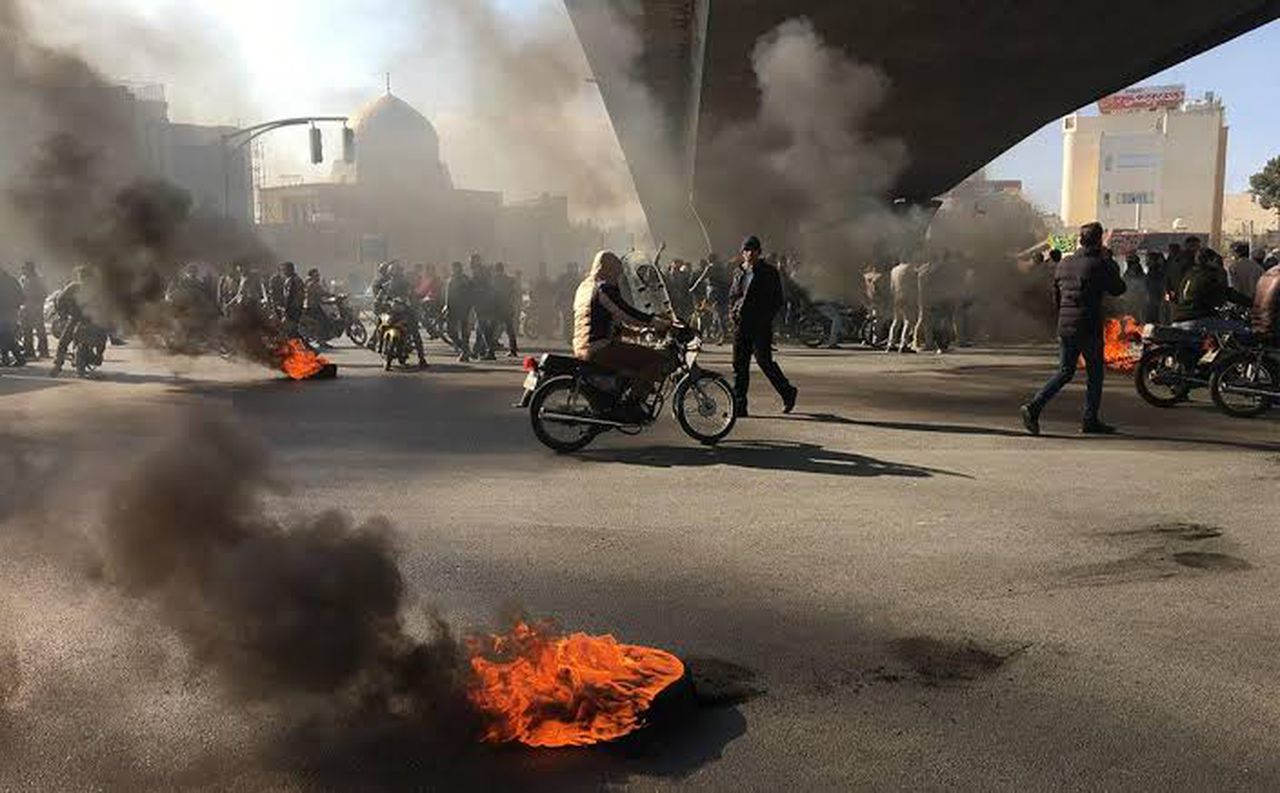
705 408
1235 382
1161 378
561 395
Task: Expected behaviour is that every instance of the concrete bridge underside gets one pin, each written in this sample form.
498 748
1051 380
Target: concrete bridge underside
970 77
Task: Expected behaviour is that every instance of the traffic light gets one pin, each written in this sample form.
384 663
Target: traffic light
317 146
348 144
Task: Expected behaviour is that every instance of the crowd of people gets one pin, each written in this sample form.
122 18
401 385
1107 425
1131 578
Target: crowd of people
1187 289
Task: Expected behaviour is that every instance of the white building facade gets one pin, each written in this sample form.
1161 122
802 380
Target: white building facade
1149 161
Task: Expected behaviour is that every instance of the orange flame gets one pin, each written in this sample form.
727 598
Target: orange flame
298 361
570 690
1122 339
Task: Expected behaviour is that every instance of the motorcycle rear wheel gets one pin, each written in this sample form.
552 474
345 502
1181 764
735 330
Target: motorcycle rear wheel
1161 395
560 394
705 407
357 333
1247 371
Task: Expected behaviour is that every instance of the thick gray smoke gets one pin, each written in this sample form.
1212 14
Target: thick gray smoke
808 175
77 186
312 609
532 116
803 172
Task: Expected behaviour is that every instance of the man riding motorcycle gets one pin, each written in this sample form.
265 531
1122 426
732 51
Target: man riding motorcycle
1204 289
599 315
71 304
398 287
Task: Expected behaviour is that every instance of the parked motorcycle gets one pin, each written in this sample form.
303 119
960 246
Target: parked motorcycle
335 318
812 327
1174 362
571 402
1246 382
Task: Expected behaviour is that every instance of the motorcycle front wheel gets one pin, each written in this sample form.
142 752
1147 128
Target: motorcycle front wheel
1160 378
356 333
705 406
1244 371
560 395
813 331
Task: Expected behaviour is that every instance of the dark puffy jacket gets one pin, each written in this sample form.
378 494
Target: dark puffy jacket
1266 305
1080 282
1203 291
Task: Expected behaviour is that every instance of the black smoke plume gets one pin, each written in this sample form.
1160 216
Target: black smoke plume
309 614
79 187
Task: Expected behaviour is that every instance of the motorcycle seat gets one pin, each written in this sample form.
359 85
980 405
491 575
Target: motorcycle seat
1167 334
553 364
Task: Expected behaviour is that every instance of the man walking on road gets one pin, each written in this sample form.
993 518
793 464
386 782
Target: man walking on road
755 299
1080 282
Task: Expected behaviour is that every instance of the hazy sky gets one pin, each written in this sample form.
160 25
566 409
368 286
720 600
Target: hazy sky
246 60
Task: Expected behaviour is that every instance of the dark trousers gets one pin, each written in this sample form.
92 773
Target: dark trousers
757 342
1071 349
508 324
460 330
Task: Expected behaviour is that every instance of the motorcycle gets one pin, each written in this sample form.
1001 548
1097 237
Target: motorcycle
1174 362
335 318
812 325
395 324
571 402
1246 383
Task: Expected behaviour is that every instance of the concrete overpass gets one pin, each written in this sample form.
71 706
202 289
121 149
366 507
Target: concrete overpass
970 77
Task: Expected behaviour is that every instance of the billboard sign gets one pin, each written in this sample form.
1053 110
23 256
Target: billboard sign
1147 97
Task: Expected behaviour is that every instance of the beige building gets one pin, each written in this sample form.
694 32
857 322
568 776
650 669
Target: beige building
1149 161
1244 218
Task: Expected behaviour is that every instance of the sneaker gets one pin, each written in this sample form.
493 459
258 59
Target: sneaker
1030 418
1096 427
908 350
789 401
464 358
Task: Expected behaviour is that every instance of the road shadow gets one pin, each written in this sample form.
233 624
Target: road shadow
996 432
808 458
909 426
25 381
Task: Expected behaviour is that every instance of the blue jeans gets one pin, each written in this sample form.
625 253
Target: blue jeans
1071 348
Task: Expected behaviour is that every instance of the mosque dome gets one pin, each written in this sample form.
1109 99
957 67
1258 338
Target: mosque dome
397 146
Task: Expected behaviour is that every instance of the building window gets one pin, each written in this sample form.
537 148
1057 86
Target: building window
1108 163
1069 122
1145 160
1129 199
1106 200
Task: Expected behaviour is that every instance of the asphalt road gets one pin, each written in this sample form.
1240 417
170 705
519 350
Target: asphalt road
910 593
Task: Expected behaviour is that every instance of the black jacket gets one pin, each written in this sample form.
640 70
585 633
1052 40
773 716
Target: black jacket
1080 282
755 305
1204 289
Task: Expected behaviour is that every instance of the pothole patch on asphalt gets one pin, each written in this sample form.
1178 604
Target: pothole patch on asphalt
719 683
933 661
1185 546
1219 562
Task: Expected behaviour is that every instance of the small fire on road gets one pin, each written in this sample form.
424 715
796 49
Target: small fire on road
301 363
546 690
1122 339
